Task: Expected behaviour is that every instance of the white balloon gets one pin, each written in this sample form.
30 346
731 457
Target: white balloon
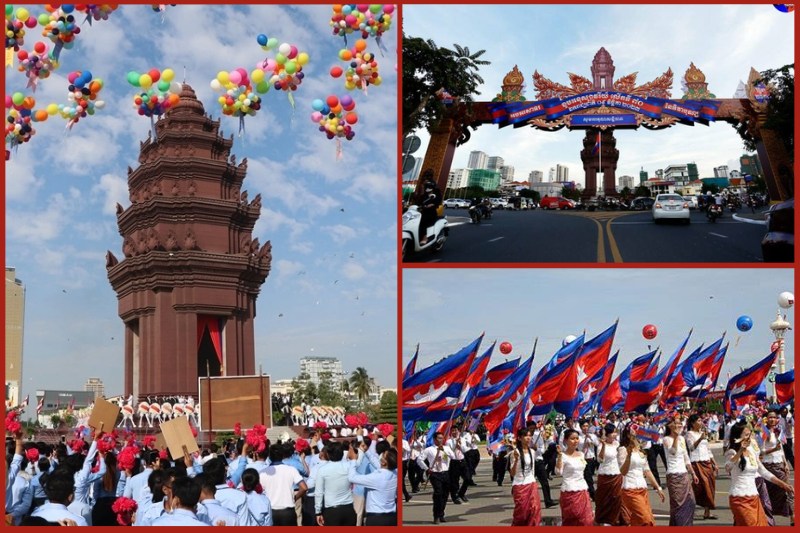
786 300
285 48
99 104
215 85
568 339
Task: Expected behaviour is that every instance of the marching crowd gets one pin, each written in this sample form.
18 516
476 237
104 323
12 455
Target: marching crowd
245 482
611 461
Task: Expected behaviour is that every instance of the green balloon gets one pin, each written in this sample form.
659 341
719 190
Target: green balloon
272 42
9 10
263 87
163 86
291 67
375 8
280 58
133 78
18 98
43 19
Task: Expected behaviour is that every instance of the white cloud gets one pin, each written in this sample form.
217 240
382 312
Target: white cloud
111 189
353 271
340 233
272 221
303 247
284 269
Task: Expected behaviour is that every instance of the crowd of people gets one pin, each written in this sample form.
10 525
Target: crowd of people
607 464
116 480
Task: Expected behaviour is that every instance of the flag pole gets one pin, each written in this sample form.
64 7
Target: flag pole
600 152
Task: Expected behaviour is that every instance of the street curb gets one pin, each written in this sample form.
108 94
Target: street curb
749 221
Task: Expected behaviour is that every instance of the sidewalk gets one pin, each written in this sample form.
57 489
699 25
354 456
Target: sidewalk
746 215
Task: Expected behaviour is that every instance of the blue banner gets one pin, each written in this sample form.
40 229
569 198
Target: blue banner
589 121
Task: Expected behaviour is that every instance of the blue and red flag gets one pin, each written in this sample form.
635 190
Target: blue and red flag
713 376
412 366
514 395
545 390
493 386
675 384
589 359
597 144
614 395
672 365
652 370
784 387
498 374
644 433
642 394
591 392
747 382
697 369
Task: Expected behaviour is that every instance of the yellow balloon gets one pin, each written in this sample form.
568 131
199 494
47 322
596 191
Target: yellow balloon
223 78
145 81
23 14
241 97
222 100
52 109
257 75
302 58
168 74
377 81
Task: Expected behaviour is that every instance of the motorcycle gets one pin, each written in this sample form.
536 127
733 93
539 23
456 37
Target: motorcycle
437 233
475 214
714 212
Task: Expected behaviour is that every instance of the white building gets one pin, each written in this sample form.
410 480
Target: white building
506 173
281 386
721 171
495 162
315 367
96 386
551 174
676 173
548 188
477 159
535 176
626 181
562 173
457 178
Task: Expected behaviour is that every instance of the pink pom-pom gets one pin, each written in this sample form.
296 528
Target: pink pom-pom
32 454
320 425
237 429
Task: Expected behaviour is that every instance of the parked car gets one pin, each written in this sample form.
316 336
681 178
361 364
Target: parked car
556 202
642 203
452 203
692 201
671 207
778 244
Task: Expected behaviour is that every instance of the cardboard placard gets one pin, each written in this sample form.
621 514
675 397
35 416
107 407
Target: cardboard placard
224 401
104 412
178 434
161 443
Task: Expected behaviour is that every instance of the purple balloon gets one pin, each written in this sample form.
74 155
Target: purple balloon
346 100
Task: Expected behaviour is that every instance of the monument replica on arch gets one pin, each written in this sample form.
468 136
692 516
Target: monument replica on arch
191 272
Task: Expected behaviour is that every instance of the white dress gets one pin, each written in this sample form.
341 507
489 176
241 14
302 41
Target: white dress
571 472
634 479
743 482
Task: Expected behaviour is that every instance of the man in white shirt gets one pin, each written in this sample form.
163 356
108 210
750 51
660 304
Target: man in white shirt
458 470
587 443
472 456
215 471
415 474
278 481
436 461
209 509
540 445
185 495
60 489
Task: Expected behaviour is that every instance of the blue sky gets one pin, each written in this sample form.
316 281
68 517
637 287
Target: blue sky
723 41
447 309
332 223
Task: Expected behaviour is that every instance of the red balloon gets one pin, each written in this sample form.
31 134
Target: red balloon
505 348
336 71
332 101
649 332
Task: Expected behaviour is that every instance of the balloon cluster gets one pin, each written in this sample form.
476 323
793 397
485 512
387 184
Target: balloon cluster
238 97
96 11
16 22
60 27
362 69
335 116
369 19
36 65
284 72
19 116
81 98
159 91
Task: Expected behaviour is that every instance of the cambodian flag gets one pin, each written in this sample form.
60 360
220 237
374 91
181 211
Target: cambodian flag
591 392
642 394
652 370
412 366
590 358
696 369
784 387
746 383
672 365
710 382
614 396
597 144
493 387
644 433
674 387
499 373
515 395
546 389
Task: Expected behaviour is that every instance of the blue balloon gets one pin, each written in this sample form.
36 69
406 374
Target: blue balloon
317 105
744 323
262 39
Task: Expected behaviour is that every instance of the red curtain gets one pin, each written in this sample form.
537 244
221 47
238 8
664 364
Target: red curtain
214 325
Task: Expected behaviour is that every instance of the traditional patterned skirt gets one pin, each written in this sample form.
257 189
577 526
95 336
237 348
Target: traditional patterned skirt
747 511
782 501
704 491
527 505
576 508
681 499
608 500
636 510
766 504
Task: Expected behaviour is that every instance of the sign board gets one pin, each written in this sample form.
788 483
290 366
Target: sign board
226 400
104 415
408 163
411 144
178 434
589 121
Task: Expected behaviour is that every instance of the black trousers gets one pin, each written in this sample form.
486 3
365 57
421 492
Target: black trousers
788 451
415 475
308 516
473 457
540 471
588 475
499 467
405 474
440 481
459 471
341 515
284 517
381 519
550 455
653 453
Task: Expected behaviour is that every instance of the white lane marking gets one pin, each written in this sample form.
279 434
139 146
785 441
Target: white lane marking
497 239
454 224
651 223
749 221
717 235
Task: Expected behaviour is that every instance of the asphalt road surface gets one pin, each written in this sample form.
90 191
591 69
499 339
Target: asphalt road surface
490 505
542 236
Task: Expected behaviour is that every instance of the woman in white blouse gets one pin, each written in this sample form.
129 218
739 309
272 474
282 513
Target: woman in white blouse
608 496
741 460
679 476
636 510
703 465
524 491
576 504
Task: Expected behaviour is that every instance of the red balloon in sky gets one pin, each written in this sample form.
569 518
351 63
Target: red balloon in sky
649 332
505 348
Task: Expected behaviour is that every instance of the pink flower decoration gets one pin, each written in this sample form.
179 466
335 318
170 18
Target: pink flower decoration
326 436
77 445
12 422
351 420
237 429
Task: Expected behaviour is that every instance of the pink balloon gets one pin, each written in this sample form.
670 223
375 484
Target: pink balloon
292 52
72 77
388 9
316 116
235 76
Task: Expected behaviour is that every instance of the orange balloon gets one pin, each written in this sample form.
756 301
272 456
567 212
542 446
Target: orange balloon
337 8
28 102
351 118
40 115
361 45
174 98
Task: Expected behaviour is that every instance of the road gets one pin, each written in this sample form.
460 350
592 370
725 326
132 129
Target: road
490 505
541 236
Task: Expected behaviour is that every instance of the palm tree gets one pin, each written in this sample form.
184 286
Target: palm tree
360 384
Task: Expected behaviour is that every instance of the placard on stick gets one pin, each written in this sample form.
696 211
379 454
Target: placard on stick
178 434
104 415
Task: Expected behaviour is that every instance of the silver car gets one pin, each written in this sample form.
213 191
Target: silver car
670 207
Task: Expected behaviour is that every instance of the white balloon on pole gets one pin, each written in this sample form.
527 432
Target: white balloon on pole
786 300
568 339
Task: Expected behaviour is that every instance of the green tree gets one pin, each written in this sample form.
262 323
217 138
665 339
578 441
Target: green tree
55 420
641 190
329 391
570 192
427 68
388 407
625 192
360 384
780 109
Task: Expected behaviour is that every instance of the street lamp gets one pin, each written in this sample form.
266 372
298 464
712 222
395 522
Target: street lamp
781 326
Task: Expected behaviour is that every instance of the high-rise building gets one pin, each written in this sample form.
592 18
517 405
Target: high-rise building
507 173
489 180
562 173
551 174
495 163
676 173
15 327
318 367
750 165
721 171
693 174
477 159
642 175
626 181
535 176
458 178
96 386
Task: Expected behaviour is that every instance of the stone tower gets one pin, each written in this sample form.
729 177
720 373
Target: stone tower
191 272
602 71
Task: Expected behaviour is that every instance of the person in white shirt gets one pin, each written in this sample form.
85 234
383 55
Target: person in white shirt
60 489
787 425
472 456
278 481
209 509
703 464
587 444
215 471
679 476
435 460
415 474
608 502
540 445
636 510
772 456
459 471
741 460
136 487
185 495
527 505
406 446
576 504
380 485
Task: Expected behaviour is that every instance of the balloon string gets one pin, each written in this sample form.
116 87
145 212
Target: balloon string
241 126
737 341
32 83
338 149
364 86
381 47
291 100
57 49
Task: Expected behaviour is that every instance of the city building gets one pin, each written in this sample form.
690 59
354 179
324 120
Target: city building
507 173
316 367
642 175
676 173
562 173
721 171
750 165
625 181
495 163
489 180
551 174
693 174
96 386
547 188
458 178
15 327
280 386
535 176
660 186
477 159
57 400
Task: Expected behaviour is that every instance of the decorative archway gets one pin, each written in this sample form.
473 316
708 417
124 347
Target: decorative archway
603 104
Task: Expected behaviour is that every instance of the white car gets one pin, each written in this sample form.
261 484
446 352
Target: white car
671 206
452 202
692 201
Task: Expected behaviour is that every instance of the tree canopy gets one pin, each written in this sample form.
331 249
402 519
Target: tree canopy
427 68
